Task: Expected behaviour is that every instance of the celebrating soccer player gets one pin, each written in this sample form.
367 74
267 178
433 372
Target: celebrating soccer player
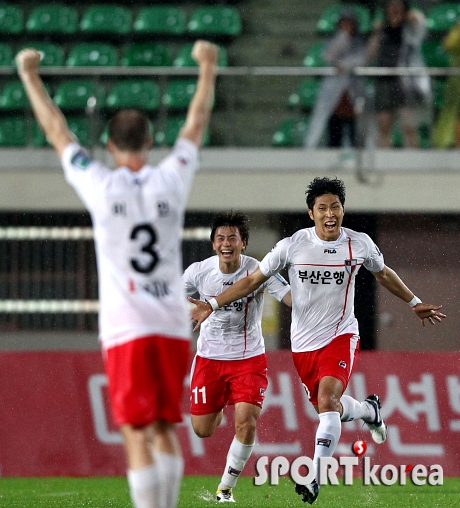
322 263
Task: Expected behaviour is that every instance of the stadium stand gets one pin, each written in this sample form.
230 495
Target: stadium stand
441 18
144 54
73 94
52 19
93 54
106 19
160 19
222 21
133 93
328 20
11 19
179 93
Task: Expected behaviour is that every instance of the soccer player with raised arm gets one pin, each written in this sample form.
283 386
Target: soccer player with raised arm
137 212
322 263
230 365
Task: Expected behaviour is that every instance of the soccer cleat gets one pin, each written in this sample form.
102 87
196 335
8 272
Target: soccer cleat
309 493
377 427
225 496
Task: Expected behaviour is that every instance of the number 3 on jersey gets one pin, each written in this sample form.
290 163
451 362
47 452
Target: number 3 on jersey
196 392
148 237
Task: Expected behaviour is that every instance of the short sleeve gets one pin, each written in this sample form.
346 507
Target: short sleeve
276 259
278 286
181 163
84 173
188 280
374 262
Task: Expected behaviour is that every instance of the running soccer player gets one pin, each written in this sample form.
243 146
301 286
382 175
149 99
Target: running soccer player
322 263
137 212
230 366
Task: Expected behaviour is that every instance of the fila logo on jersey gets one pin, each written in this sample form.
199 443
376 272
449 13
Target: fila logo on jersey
323 442
330 251
342 364
227 283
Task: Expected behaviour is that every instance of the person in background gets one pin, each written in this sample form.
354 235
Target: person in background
339 96
446 130
230 366
397 42
137 212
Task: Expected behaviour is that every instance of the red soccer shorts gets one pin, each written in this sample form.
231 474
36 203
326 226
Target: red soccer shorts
146 379
336 360
215 383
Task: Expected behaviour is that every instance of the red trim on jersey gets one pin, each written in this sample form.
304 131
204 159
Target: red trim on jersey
321 264
246 308
348 287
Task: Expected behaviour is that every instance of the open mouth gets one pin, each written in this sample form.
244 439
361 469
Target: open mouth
330 225
226 253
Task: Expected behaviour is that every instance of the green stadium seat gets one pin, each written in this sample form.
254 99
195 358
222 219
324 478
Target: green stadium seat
441 18
424 134
179 93
6 55
106 19
92 54
305 95
146 54
13 96
215 21
434 54
81 127
328 21
53 54
74 93
52 19
134 93
439 86
11 19
160 20
38 137
314 57
13 131
168 136
184 57
290 133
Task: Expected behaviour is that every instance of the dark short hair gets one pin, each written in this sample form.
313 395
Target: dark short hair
129 130
233 220
320 186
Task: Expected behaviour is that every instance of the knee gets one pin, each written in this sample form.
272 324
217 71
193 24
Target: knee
246 431
329 402
203 432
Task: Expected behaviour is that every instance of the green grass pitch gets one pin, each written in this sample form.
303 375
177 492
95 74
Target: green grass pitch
198 492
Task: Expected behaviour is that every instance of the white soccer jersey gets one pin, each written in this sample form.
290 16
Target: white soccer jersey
233 332
137 220
322 278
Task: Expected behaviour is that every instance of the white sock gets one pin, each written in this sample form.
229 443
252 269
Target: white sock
145 487
238 455
171 470
327 437
354 410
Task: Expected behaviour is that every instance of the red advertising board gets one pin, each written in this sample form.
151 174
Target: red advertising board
55 420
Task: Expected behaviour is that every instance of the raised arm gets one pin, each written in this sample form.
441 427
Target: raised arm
48 115
240 289
199 112
390 280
